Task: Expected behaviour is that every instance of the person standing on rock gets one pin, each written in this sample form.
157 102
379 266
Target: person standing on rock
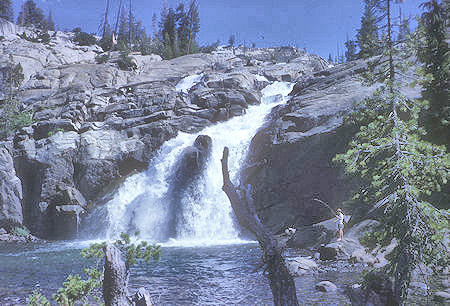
340 221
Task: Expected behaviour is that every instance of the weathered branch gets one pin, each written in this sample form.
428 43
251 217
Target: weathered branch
281 282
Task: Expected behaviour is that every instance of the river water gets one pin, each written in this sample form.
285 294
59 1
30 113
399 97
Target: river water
212 275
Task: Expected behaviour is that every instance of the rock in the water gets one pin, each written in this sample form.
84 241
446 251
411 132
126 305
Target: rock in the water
10 192
326 286
446 283
441 296
361 256
300 265
378 291
313 235
327 253
142 298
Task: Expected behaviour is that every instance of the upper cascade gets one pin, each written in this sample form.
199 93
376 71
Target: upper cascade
161 205
94 124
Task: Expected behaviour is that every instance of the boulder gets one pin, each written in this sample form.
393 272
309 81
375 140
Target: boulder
313 235
301 265
361 256
326 286
142 298
441 296
328 253
378 291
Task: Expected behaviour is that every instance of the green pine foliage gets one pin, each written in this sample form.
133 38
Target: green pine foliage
399 170
434 53
13 118
367 36
32 15
350 53
6 10
50 23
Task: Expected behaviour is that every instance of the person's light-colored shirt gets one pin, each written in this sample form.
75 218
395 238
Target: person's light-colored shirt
341 218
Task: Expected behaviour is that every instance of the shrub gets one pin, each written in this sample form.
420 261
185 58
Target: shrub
40 37
101 59
125 62
84 39
20 231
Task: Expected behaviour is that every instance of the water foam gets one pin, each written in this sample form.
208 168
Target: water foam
142 202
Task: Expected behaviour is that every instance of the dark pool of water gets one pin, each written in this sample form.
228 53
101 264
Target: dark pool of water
214 275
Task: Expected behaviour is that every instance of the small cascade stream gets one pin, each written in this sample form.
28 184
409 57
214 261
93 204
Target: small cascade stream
142 202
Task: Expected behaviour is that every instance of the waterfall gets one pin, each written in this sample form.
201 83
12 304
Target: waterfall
142 202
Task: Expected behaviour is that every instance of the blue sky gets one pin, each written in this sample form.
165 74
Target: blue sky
317 25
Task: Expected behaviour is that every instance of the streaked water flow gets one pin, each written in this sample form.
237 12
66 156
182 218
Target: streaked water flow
142 202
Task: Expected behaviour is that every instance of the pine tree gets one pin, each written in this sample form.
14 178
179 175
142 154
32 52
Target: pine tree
399 171
194 24
404 30
123 27
31 15
330 59
50 23
435 55
105 21
6 10
367 36
155 25
183 28
350 53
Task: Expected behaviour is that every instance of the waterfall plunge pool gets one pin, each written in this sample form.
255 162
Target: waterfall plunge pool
212 275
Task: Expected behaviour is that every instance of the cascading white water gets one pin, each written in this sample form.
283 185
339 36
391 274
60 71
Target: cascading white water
141 203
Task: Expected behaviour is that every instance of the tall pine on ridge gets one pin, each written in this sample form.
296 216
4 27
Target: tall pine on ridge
6 10
399 170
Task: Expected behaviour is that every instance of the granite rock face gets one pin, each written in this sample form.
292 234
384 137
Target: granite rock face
290 161
10 190
95 124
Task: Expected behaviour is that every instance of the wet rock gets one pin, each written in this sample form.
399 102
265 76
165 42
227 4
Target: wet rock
378 291
361 256
418 288
142 298
327 253
301 265
441 296
313 235
326 286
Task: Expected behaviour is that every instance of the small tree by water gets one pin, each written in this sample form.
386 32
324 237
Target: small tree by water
76 289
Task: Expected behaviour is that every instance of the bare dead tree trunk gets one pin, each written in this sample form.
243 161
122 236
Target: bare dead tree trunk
281 282
131 27
106 18
115 278
191 24
118 17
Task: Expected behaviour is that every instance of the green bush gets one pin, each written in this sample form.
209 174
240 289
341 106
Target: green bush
37 299
84 39
125 62
101 59
20 231
41 37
